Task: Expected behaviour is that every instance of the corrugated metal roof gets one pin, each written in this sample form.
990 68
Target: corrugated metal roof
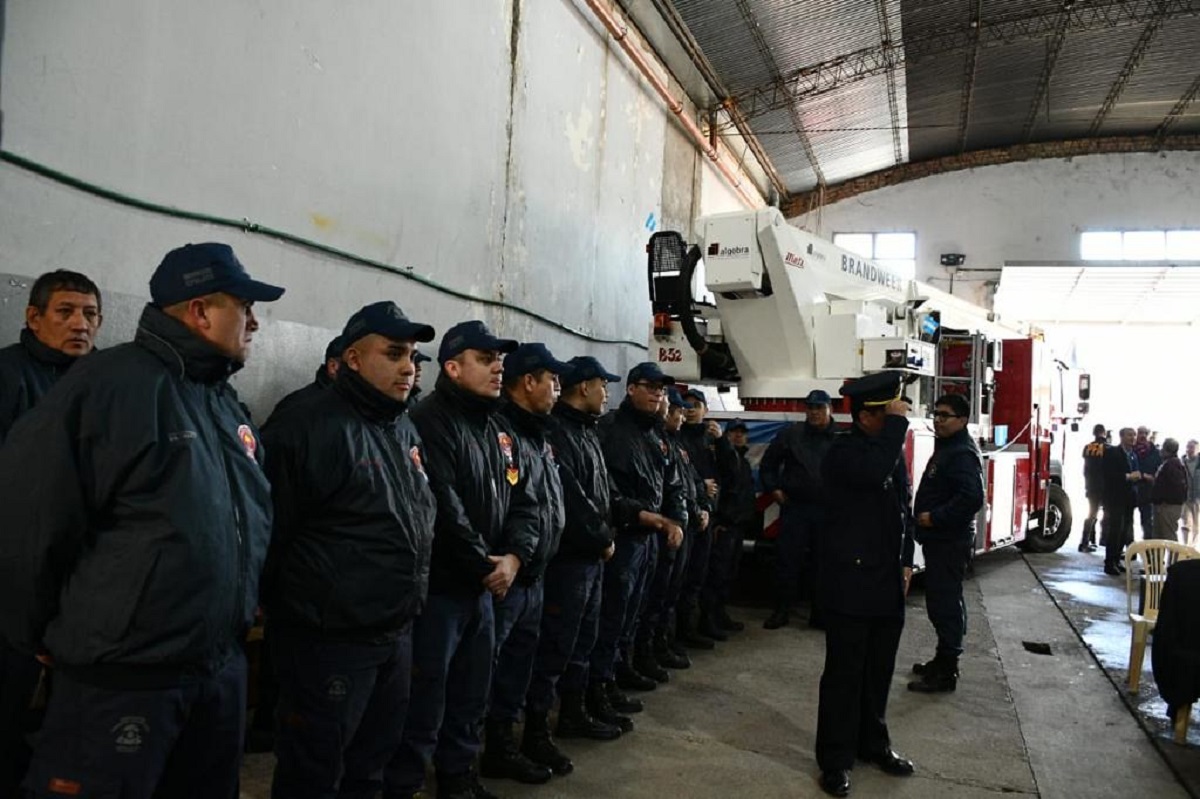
825 62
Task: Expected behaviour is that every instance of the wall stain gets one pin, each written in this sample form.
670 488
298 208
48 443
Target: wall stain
322 222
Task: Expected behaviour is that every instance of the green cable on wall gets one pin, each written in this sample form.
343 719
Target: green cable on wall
246 226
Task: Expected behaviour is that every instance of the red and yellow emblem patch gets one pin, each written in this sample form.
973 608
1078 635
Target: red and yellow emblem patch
415 455
249 442
511 474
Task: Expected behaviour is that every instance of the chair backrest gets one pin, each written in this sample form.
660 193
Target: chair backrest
1158 556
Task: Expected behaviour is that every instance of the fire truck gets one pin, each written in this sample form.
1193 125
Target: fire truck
765 310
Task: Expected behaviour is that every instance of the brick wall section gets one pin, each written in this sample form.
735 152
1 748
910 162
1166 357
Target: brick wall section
799 204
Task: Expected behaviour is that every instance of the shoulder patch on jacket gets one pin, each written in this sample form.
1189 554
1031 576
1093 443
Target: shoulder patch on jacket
249 442
511 473
415 455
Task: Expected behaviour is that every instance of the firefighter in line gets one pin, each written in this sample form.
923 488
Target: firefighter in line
62 319
531 387
1093 484
144 515
648 504
735 514
866 555
485 531
348 566
948 500
791 472
700 439
574 577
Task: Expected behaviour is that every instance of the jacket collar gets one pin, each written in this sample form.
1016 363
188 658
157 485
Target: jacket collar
526 422
959 439
464 401
43 354
322 378
644 421
366 399
180 349
573 414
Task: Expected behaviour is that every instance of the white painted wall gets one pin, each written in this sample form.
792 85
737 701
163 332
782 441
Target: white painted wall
411 133
1031 211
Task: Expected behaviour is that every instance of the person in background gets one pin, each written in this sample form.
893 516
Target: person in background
1149 459
1122 473
1093 484
1191 508
702 440
322 380
62 319
418 393
1170 492
791 472
144 516
735 514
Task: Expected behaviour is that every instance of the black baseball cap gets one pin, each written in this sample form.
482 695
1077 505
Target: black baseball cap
386 319
584 368
532 357
874 389
334 348
737 424
473 335
648 372
195 270
696 394
675 398
817 397
421 357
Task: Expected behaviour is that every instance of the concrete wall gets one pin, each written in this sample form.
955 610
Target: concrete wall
1023 212
502 148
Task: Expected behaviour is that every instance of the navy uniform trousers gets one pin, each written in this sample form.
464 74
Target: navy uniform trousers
518 625
18 681
183 741
624 584
340 712
945 569
570 625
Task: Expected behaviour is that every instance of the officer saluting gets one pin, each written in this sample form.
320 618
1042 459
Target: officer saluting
866 555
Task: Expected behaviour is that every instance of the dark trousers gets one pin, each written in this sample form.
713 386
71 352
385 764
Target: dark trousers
633 629
794 563
945 568
518 624
696 573
679 575
570 623
19 675
860 657
624 577
453 645
1118 531
1089 524
1146 516
340 713
723 561
659 606
169 743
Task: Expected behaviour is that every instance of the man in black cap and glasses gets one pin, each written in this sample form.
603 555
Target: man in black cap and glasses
866 554
144 516
348 567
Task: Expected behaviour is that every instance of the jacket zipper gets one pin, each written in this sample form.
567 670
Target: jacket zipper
240 600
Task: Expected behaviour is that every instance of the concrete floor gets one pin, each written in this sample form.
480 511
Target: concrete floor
741 722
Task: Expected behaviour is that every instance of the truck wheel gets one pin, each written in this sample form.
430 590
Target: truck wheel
1052 525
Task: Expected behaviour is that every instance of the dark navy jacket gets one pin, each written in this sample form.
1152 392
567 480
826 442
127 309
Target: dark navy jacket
792 463
27 371
644 477
951 490
587 492
135 514
869 535
349 558
539 468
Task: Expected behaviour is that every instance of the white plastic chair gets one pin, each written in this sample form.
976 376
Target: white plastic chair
1158 556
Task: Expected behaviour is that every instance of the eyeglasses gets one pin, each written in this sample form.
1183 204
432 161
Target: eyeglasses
653 388
942 416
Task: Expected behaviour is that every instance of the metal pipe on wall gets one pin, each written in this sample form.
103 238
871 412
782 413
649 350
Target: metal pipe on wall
620 32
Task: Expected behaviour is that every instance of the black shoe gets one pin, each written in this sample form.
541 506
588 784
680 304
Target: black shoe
891 763
667 657
599 707
728 623
622 702
1092 547
778 618
632 680
576 719
644 662
1083 547
709 629
935 682
501 759
692 639
1112 570
924 668
835 783
538 746
462 786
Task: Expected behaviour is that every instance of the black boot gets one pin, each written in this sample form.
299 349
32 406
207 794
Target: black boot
673 642
632 680
538 746
622 702
598 708
461 786
727 622
644 662
687 633
709 628
939 675
778 618
502 759
667 657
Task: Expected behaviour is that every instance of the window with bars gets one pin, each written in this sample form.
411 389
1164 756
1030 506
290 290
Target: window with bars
1139 245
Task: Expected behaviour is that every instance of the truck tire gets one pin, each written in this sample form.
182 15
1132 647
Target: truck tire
1053 525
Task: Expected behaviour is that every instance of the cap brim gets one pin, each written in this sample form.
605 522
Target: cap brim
610 377
415 331
254 291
